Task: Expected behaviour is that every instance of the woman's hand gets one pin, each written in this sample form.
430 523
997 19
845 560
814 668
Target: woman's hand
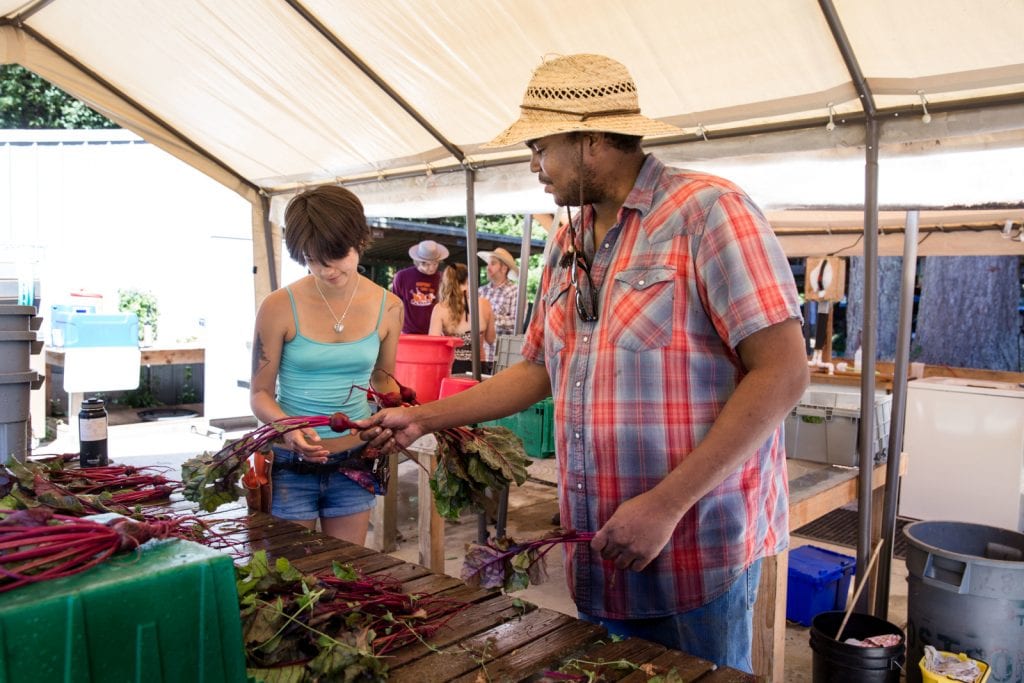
306 444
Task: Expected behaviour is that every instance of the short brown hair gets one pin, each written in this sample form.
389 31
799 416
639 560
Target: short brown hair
324 224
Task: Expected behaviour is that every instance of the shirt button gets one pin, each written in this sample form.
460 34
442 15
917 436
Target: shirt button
586 339
606 245
579 487
579 383
640 282
577 435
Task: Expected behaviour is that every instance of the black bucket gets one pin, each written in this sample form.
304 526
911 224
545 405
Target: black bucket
838 662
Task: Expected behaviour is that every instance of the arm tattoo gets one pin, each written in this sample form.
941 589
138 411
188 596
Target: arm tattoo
259 358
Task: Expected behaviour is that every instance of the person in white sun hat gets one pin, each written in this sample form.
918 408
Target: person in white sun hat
667 330
418 285
501 291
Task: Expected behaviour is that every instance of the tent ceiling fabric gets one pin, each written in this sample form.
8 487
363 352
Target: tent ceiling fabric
287 93
271 96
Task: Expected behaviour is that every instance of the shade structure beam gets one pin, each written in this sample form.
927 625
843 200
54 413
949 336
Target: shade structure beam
385 87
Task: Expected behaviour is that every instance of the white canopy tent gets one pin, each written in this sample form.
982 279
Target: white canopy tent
395 97
270 96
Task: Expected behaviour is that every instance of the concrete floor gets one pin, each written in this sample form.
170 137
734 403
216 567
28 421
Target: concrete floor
531 508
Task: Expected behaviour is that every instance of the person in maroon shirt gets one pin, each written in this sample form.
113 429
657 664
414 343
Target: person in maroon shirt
417 286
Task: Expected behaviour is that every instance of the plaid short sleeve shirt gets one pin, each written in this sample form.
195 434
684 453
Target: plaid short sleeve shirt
503 299
690 270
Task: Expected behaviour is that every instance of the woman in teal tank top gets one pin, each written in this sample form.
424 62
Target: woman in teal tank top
315 341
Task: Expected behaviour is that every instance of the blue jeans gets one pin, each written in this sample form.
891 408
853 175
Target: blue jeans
302 497
720 631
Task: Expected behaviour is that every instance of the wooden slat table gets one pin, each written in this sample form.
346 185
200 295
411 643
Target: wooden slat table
498 636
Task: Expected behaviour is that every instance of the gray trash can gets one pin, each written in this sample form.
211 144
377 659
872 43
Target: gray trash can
966 594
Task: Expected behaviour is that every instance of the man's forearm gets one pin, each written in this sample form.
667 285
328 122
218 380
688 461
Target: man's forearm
510 391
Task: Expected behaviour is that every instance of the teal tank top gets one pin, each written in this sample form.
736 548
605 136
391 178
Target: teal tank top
316 378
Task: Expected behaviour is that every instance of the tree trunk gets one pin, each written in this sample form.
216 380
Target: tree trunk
968 314
888 305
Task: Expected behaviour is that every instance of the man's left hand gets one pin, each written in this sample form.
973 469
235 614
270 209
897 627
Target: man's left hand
636 532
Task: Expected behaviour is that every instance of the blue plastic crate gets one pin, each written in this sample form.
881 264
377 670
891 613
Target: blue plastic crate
818 581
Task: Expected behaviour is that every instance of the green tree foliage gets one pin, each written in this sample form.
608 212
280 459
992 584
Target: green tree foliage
510 224
28 101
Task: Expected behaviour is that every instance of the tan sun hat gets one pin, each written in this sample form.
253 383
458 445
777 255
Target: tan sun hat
503 256
580 93
428 250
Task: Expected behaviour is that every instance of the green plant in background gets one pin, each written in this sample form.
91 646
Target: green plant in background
145 395
188 392
143 305
57 408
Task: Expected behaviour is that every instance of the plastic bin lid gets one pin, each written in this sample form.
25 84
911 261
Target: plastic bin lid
818 564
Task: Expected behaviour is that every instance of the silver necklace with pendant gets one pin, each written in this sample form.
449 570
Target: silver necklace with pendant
339 323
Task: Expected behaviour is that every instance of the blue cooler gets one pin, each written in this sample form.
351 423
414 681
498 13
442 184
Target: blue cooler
818 581
101 350
77 327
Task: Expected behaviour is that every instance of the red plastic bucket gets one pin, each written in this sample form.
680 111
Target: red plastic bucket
424 360
453 385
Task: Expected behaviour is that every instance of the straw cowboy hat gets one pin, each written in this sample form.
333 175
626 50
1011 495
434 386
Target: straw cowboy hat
428 250
503 256
580 93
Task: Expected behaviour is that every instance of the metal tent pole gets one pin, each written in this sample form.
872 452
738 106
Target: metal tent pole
524 267
869 333
899 410
870 323
473 264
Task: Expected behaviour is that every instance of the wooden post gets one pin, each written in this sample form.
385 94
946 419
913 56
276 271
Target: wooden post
431 524
384 517
826 349
769 646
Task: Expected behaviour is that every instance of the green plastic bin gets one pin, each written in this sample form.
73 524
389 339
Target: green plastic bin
167 614
534 426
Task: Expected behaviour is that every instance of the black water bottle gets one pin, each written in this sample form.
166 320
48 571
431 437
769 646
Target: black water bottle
92 433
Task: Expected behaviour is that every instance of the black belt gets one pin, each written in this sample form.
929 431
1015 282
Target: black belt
303 467
306 467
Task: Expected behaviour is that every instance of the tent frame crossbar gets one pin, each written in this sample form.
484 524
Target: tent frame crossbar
349 54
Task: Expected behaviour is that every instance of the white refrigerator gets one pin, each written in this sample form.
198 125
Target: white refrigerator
964 440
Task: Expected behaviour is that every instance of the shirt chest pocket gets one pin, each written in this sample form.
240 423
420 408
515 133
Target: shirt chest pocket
641 308
557 306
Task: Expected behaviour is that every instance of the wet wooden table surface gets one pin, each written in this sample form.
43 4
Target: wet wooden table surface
499 638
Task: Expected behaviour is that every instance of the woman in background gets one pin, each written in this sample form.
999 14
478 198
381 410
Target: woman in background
316 341
450 318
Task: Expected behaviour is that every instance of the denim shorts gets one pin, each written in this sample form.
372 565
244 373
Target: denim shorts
302 497
721 631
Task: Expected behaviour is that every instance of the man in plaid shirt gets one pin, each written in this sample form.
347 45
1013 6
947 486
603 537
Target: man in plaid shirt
501 291
667 330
